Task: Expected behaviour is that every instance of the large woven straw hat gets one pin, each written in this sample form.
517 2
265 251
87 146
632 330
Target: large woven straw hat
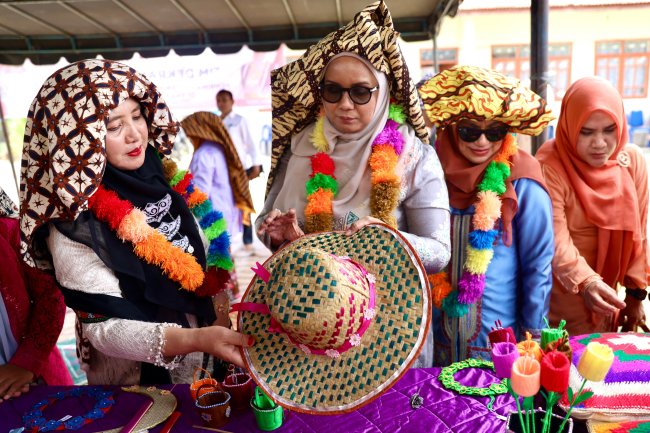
337 319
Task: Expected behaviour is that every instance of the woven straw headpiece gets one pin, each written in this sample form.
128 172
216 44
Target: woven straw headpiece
475 93
337 321
64 149
295 96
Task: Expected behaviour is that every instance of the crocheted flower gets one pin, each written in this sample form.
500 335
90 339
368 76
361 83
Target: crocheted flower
595 361
334 354
525 376
369 314
305 349
355 340
371 278
555 372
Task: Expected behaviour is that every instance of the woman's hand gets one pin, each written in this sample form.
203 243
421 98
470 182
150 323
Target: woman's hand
14 381
218 341
280 227
632 315
358 225
601 299
224 343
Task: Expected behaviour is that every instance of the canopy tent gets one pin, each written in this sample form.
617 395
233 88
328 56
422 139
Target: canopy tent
45 30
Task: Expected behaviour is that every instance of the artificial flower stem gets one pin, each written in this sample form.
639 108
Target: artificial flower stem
566 417
521 418
549 407
529 407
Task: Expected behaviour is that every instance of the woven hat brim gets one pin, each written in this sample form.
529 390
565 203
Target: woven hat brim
318 384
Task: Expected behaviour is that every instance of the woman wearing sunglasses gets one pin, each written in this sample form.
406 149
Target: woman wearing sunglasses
345 156
599 188
501 231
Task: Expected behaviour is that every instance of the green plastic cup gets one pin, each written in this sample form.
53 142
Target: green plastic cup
269 416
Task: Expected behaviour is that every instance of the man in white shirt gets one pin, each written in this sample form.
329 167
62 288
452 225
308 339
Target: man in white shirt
246 148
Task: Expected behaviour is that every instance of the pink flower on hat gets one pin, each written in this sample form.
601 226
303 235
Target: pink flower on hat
355 340
305 349
371 278
369 313
334 354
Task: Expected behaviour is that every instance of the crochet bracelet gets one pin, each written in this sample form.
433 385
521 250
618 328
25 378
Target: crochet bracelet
446 377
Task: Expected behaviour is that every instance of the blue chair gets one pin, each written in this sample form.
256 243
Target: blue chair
634 122
636 118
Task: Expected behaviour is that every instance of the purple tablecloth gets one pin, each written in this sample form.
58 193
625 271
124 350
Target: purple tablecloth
443 411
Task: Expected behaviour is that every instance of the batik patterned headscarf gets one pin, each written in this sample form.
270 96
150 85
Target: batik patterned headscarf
470 92
63 154
295 95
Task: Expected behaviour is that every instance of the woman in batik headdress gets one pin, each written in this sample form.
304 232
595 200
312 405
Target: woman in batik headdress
501 230
345 155
218 170
103 205
599 187
31 316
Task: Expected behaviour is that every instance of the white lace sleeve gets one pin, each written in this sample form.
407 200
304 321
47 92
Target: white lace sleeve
77 267
426 211
131 339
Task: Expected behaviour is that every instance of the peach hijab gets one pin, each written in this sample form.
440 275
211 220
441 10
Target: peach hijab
607 194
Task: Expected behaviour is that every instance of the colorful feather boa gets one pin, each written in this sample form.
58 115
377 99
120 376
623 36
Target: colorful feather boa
478 255
130 225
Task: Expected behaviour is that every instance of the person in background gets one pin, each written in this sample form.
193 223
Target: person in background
117 221
31 316
248 154
217 169
501 229
345 156
599 187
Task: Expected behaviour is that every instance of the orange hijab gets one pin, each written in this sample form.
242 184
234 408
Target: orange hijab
463 177
607 194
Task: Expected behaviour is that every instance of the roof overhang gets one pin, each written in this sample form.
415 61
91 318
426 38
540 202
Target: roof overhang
45 30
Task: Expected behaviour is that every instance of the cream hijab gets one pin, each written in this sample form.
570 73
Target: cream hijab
350 153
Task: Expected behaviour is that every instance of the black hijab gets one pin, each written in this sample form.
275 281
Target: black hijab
148 294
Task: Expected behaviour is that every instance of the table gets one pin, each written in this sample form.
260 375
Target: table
443 411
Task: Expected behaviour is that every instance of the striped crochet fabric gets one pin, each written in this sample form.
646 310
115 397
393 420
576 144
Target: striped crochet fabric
625 388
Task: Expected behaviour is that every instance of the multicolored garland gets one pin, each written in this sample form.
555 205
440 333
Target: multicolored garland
322 187
34 420
478 255
130 224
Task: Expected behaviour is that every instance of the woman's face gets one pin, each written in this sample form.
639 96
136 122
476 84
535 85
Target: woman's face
482 149
346 116
126 136
597 139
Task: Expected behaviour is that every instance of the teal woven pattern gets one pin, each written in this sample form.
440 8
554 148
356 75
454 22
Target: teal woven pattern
316 382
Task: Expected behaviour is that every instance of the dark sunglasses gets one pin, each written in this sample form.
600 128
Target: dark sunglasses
470 134
360 95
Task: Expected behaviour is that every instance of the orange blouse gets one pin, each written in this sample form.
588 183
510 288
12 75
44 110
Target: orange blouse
576 244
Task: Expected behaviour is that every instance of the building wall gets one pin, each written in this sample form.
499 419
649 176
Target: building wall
475 32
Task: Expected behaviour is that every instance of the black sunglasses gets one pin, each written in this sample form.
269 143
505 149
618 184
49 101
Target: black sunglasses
470 134
360 95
